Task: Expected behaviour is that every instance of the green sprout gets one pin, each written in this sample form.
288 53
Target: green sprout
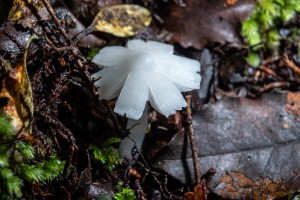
124 193
107 154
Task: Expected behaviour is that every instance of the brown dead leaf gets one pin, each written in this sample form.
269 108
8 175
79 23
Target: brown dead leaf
198 194
16 90
255 137
293 104
203 21
236 185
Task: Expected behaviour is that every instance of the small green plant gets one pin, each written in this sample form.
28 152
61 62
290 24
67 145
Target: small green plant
124 193
260 30
10 183
107 154
26 165
92 53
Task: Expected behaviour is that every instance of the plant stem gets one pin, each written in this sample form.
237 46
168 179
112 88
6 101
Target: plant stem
191 133
56 21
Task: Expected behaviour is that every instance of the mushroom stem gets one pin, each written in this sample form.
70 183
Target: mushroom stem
136 137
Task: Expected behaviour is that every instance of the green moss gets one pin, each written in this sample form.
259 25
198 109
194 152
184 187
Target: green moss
260 30
253 59
107 154
42 171
124 193
26 165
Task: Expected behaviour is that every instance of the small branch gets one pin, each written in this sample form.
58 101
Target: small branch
273 85
271 60
50 43
291 65
270 71
193 140
56 21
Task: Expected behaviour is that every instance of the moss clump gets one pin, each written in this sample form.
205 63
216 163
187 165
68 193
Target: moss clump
18 162
261 29
107 154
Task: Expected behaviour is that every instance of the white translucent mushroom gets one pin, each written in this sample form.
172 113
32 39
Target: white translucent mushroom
145 71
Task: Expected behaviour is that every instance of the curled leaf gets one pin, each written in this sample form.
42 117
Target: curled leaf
16 90
17 95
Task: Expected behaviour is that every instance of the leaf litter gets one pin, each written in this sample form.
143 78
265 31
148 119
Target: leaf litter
240 138
251 143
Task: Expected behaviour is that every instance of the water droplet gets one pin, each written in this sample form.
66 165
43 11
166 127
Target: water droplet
249 158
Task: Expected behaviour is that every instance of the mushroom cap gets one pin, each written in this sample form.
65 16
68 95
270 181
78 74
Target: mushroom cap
145 71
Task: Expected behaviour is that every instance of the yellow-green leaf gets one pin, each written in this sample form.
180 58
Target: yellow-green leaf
17 93
122 20
16 90
21 9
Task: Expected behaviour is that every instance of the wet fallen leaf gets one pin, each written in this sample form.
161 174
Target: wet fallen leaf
256 137
234 185
22 9
17 94
12 40
26 13
122 20
202 21
94 189
119 20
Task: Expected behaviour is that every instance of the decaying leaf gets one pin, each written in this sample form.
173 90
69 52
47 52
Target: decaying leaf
14 47
203 21
198 194
256 137
94 189
21 9
236 185
122 20
16 91
119 20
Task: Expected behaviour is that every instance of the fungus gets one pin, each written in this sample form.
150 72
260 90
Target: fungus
145 71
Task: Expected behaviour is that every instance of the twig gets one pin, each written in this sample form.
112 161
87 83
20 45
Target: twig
270 71
56 21
50 43
271 60
273 85
192 140
291 65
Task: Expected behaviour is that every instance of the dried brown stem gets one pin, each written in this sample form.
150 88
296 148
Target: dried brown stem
191 133
274 85
50 43
56 21
271 60
269 71
289 63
